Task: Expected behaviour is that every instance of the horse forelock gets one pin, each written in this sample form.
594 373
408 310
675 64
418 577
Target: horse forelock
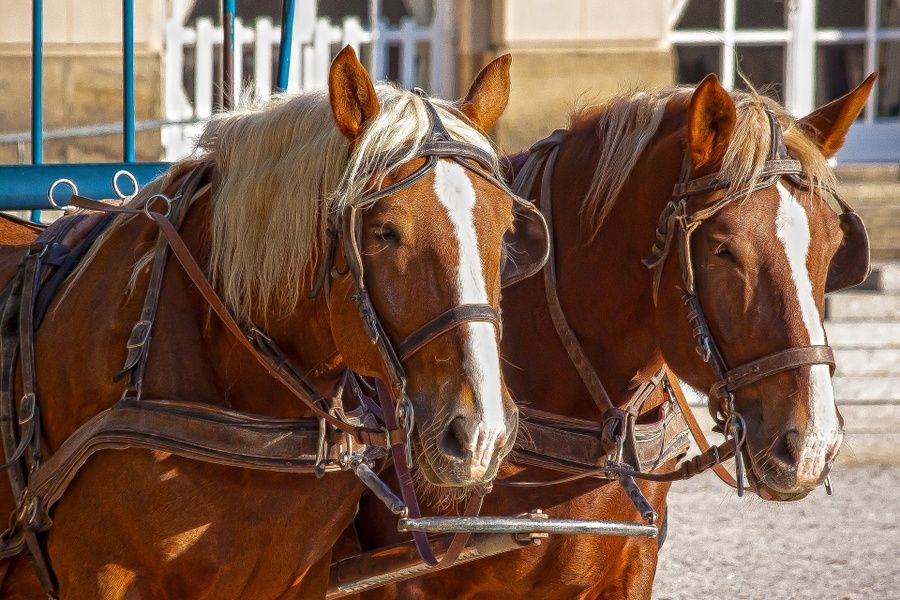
626 124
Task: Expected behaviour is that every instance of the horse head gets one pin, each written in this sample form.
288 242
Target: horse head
753 248
432 243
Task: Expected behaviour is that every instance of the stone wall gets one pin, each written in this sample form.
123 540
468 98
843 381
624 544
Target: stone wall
565 55
548 85
83 88
82 75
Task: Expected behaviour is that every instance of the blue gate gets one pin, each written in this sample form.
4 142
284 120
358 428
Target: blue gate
27 187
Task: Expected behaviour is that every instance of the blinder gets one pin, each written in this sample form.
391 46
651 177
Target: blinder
850 266
527 246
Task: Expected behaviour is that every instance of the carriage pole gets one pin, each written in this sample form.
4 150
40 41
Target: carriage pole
284 50
128 81
37 88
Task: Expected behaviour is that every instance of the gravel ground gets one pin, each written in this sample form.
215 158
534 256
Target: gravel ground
843 546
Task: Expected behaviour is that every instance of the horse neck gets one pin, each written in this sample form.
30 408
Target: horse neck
228 371
604 288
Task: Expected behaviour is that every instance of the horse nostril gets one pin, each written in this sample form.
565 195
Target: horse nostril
455 440
793 442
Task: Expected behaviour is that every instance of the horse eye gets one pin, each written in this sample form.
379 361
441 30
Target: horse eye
725 253
387 233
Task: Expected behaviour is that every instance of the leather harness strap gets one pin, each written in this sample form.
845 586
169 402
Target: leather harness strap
617 424
408 493
139 340
195 273
568 338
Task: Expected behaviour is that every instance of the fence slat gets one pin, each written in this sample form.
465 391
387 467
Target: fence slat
408 53
203 68
314 42
262 57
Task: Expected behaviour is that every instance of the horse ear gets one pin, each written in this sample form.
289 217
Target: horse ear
353 99
828 125
711 119
489 94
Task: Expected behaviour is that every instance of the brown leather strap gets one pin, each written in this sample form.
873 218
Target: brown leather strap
443 323
193 430
574 445
408 492
568 338
771 364
697 432
139 340
190 429
710 459
712 182
195 273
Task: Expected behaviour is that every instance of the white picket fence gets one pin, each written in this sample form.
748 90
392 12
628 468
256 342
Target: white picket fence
315 41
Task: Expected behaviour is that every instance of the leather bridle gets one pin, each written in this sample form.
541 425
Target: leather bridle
345 228
676 223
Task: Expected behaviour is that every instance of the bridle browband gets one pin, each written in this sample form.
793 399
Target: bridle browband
676 222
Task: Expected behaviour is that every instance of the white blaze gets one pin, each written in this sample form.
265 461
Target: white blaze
792 229
482 358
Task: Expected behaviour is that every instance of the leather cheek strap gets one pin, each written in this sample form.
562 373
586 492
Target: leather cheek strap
443 323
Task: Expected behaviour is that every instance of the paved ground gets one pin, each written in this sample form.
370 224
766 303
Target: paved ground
843 546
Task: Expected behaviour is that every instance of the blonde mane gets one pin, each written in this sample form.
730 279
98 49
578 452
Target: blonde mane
284 166
626 124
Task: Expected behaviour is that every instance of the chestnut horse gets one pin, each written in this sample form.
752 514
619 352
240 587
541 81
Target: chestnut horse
150 524
760 265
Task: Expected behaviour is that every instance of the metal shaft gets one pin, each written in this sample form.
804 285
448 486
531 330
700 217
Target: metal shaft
525 525
37 88
402 562
228 10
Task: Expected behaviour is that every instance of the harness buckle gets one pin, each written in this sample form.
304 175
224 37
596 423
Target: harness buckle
140 334
27 408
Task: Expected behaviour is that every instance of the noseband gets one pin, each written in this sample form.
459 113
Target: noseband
677 223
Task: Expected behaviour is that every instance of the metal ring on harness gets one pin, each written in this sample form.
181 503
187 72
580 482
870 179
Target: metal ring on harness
67 182
131 177
150 200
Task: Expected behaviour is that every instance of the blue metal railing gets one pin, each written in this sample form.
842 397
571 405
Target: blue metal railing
25 187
